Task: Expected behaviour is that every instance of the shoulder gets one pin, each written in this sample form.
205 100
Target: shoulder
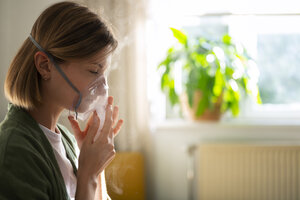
19 122
27 168
22 138
27 162
17 138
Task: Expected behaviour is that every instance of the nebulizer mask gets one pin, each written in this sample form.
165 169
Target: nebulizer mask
93 98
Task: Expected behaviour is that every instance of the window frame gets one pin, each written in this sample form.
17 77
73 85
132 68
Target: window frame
250 113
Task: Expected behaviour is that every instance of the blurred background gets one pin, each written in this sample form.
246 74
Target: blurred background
211 107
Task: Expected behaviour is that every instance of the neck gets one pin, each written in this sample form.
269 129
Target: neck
46 115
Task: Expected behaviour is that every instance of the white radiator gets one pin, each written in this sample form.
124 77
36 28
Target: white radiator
248 172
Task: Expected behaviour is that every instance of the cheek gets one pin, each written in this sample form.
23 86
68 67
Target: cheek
78 78
61 92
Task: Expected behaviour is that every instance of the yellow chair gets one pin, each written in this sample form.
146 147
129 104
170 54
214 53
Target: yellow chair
125 177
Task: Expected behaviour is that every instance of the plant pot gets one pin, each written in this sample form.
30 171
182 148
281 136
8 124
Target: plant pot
190 113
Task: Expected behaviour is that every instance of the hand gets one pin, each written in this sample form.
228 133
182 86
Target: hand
96 155
80 135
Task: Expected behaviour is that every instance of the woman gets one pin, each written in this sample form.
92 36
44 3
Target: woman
61 65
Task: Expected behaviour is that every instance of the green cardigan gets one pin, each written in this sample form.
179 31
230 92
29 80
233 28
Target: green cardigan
28 167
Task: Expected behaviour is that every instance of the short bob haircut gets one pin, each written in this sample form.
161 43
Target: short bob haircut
66 30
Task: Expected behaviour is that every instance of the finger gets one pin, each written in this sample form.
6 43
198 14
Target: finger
94 126
118 127
115 115
108 121
89 122
110 100
74 124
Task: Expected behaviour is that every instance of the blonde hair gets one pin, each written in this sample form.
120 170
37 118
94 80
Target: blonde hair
66 30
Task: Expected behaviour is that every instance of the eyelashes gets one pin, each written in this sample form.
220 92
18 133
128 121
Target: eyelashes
97 70
94 72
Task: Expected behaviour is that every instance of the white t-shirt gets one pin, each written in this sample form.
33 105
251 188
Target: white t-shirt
65 165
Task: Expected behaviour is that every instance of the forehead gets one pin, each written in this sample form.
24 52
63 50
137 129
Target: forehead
100 57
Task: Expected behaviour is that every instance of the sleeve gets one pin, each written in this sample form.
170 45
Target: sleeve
103 187
23 172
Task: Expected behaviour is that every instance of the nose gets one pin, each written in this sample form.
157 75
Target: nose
100 88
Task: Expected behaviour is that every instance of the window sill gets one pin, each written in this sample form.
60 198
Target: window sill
233 122
233 130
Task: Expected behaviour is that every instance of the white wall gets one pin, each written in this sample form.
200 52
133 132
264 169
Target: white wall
16 20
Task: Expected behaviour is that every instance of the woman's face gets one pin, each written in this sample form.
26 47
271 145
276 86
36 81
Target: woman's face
82 73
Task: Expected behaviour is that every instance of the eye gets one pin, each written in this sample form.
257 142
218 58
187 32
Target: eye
94 72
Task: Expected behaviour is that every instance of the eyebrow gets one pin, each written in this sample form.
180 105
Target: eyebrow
98 64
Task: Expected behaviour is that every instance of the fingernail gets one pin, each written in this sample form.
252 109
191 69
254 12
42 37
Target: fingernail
110 99
95 113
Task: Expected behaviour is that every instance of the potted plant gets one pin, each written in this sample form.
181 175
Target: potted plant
214 75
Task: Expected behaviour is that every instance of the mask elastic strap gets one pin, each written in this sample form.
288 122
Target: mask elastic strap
60 71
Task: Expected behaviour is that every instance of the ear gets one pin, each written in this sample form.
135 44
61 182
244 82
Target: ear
43 65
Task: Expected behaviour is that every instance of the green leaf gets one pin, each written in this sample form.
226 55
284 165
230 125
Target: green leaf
202 105
235 108
235 103
258 99
170 50
193 78
237 95
219 83
226 39
164 81
180 36
229 72
199 59
163 63
190 93
173 96
224 106
203 80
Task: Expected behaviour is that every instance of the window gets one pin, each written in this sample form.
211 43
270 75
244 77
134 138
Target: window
271 34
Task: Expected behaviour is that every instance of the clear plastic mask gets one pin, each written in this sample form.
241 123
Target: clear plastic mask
93 98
